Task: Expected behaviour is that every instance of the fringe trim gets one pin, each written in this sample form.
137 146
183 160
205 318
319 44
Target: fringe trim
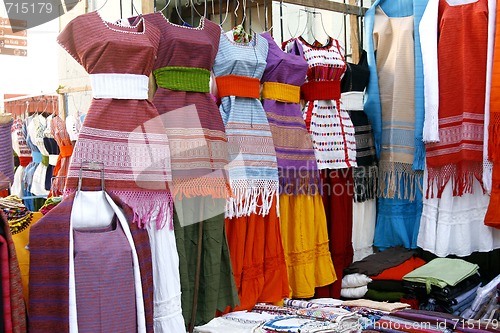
252 197
147 207
365 183
461 175
203 186
398 180
306 182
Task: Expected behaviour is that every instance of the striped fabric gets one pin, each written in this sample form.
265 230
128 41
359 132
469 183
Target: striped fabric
125 135
7 157
63 140
49 268
297 167
4 260
17 305
253 171
458 156
330 126
198 143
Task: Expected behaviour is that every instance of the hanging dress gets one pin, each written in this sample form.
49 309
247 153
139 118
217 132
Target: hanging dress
63 140
252 222
6 149
458 156
390 106
365 175
23 152
332 133
122 129
455 224
36 129
53 149
302 215
199 153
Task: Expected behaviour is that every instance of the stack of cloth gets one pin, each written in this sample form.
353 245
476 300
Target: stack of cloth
486 304
379 276
450 285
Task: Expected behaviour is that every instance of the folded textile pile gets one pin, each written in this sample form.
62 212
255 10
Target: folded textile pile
486 303
354 285
449 284
378 277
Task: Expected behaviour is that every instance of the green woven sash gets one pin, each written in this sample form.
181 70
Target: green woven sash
183 78
45 160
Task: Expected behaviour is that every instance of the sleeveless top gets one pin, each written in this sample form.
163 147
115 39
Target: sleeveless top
126 135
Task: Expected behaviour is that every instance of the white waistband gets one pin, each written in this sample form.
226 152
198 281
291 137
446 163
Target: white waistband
352 101
119 86
53 159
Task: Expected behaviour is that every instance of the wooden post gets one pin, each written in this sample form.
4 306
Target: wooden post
353 23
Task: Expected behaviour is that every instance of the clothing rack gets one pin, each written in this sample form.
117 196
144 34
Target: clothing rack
29 104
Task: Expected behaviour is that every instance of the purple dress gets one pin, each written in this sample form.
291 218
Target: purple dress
294 149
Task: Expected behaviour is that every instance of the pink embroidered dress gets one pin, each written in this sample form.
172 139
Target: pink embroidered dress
122 129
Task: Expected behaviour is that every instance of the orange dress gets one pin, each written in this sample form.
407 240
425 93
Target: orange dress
258 258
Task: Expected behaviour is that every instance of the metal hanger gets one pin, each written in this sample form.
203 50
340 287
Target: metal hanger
178 13
104 4
167 3
227 13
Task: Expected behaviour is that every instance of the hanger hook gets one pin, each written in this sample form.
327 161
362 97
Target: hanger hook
227 13
168 3
104 4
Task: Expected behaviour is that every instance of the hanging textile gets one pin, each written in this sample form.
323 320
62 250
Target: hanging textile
199 153
49 276
458 156
491 218
23 152
400 196
302 220
451 224
63 140
53 150
6 152
365 175
36 130
11 281
333 149
36 159
134 150
253 172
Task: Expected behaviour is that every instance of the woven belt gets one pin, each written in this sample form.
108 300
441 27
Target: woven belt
45 160
281 92
66 151
183 78
320 90
24 160
241 86
119 86
36 156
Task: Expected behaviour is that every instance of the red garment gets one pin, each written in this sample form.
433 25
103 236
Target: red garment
338 197
258 259
397 272
462 53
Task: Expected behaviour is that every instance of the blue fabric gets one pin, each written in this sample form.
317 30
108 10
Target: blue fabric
419 158
398 220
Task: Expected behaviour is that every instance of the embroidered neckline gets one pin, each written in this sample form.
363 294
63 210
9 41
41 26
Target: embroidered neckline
110 25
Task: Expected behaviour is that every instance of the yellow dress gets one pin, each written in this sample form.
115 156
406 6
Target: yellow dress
305 241
20 236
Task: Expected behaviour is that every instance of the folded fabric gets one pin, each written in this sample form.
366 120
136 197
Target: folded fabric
298 324
384 296
461 298
405 325
386 285
483 292
462 306
397 272
327 301
235 322
382 306
355 280
376 263
442 272
451 292
336 315
298 304
356 292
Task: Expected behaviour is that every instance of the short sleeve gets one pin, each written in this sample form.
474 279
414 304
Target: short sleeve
69 40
